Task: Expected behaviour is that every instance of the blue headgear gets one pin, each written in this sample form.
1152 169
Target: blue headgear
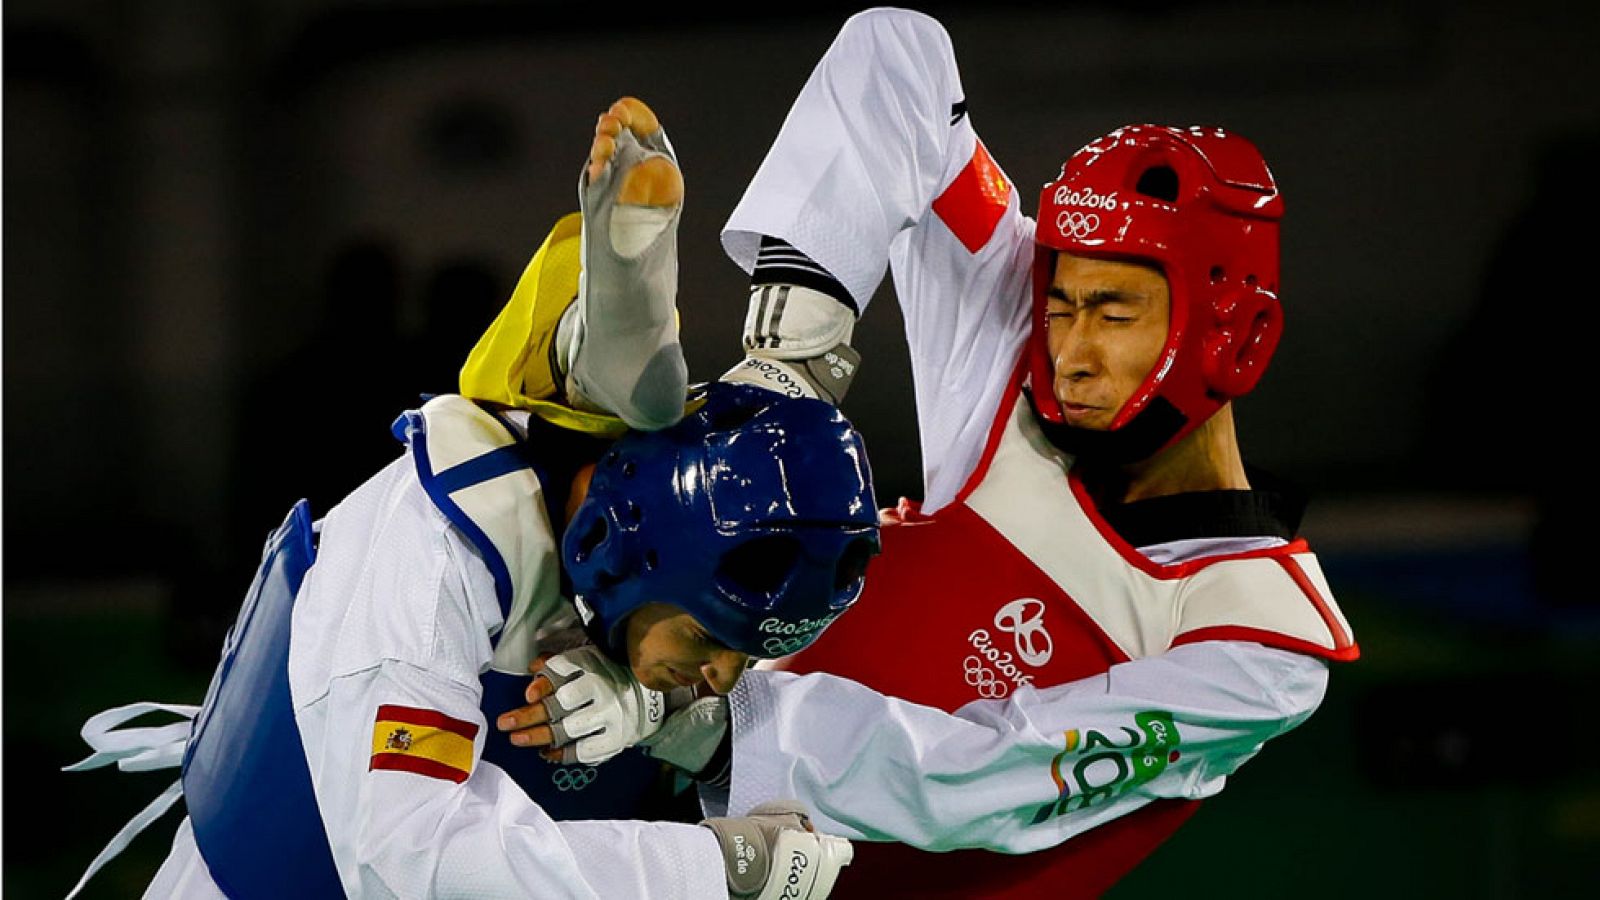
754 514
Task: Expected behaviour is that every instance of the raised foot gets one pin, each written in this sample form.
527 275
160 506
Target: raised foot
653 182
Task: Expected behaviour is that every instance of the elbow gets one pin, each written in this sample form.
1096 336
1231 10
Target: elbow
909 52
913 33
1308 692
373 871
390 862
892 23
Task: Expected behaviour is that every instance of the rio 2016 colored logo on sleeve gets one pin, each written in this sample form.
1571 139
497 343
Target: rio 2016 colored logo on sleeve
1096 768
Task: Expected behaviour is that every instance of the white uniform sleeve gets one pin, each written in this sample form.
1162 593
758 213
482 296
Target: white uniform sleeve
403 834
877 134
1020 774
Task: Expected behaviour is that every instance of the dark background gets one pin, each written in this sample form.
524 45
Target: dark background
239 237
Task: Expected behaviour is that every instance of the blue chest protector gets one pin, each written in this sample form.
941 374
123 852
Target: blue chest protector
245 778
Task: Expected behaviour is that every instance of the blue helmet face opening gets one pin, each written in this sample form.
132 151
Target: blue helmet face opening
755 515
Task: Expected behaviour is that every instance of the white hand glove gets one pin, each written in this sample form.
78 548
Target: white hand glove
772 854
598 709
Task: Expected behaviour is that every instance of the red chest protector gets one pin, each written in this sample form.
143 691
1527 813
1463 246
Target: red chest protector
1019 582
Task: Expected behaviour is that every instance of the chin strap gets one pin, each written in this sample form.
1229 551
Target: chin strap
1144 435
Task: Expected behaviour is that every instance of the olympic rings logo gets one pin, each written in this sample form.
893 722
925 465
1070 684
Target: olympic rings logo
572 779
980 676
1023 619
1077 225
777 646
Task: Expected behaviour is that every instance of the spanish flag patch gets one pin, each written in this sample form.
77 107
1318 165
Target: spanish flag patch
423 741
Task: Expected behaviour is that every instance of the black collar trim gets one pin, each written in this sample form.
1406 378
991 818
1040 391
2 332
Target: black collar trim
1273 508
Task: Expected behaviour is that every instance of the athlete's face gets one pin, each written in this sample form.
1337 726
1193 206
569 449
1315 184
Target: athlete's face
667 649
1106 324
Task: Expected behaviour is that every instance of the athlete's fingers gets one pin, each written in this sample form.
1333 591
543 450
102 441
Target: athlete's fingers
537 736
538 688
522 717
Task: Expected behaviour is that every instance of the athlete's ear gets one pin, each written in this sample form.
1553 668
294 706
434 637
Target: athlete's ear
1246 326
578 493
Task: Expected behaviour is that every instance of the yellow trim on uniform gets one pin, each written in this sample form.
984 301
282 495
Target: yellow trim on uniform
511 363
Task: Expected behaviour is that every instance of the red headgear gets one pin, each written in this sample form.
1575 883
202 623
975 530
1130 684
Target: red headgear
1201 204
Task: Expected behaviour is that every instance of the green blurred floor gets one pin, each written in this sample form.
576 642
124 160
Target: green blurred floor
1301 820
59 670
1305 819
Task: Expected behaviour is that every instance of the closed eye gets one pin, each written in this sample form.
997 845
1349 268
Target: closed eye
699 636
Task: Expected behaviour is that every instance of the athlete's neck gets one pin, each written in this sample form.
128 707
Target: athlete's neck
1206 459
580 490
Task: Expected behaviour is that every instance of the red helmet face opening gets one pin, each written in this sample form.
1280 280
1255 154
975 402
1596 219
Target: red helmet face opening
1201 205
